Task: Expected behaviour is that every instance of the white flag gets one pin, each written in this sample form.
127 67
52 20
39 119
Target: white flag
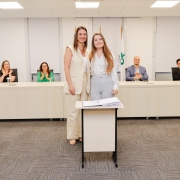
122 60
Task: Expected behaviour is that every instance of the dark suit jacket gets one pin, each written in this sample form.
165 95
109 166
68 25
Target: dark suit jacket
131 70
176 74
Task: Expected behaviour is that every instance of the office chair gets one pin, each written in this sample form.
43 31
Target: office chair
15 73
125 73
51 70
173 69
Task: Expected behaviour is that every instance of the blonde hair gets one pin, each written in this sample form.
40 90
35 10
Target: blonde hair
106 52
2 66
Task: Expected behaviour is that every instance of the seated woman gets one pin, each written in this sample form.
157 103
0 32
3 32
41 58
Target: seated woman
6 72
44 74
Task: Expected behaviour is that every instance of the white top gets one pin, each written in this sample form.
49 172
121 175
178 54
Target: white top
99 66
137 70
85 63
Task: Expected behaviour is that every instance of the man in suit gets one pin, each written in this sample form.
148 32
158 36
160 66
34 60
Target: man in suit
176 71
136 72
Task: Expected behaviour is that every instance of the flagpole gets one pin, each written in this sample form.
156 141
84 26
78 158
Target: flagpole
122 55
121 31
75 29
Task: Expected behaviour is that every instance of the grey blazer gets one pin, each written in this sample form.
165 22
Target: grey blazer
131 70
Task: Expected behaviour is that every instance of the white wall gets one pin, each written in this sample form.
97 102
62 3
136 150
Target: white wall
138 40
167 43
111 30
67 30
13 46
44 43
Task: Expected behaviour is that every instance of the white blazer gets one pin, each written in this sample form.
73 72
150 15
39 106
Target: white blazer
77 71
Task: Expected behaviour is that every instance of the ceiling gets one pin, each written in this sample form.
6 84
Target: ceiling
107 8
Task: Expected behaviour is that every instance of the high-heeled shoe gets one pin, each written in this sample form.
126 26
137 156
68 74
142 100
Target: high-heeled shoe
72 141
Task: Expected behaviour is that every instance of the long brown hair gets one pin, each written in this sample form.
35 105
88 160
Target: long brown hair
2 66
76 38
106 52
41 70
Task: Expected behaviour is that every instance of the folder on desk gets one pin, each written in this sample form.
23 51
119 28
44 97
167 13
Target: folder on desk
103 102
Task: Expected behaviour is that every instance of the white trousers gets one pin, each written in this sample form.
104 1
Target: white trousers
101 87
73 115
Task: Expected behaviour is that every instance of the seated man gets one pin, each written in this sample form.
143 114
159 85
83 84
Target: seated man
176 72
136 72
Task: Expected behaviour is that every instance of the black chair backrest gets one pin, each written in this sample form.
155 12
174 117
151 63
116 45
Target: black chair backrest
172 69
51 70
15 73
125 73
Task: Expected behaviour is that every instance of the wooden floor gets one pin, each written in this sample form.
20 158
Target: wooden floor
38 150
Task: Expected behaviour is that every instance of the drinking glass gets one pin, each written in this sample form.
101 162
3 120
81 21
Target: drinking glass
8 80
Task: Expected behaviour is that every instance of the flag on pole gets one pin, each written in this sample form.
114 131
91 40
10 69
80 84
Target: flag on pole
122 60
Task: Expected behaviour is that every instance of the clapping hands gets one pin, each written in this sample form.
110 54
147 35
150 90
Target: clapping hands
47 75
42 75
137 76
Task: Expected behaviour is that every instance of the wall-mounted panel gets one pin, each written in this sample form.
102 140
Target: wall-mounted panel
139 41
167 49
111 30
44 43
67 30
13 45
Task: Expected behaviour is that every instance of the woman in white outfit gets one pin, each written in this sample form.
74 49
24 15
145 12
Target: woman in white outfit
104 79
77 82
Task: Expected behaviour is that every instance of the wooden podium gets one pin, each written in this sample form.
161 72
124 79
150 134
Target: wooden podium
99 129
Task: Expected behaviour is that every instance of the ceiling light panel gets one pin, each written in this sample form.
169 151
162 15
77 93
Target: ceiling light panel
87 4
164 4
10 5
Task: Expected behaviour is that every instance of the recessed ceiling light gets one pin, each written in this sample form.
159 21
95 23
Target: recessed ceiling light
10 5
164 4
87 4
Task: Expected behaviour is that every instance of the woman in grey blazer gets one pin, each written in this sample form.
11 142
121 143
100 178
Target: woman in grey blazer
104 80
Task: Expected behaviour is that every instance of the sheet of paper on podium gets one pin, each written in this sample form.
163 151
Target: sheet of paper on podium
103 102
